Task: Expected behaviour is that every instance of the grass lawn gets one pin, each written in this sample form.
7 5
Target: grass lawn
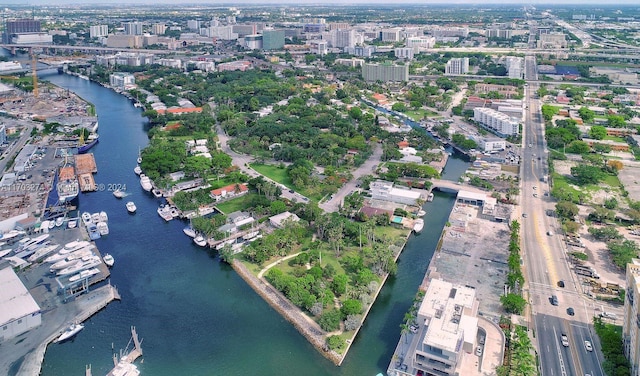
420 114
240 203
612 181
273 172
561 189
614 138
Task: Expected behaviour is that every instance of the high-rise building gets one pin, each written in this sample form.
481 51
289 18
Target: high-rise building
272 39
253 42
343 38
457 65
631 324
98 31
404 53
133 28
20 26
385 72
244 30
501 123
390 35
195 24
158 28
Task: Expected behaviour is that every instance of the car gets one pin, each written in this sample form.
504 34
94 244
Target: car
550 233
534 187
291 191
570 311
587 345
530 145
609 315
561 284
535 195
479 351
554 300
524 215
565 340
539 158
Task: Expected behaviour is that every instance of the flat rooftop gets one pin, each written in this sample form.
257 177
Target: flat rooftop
15 299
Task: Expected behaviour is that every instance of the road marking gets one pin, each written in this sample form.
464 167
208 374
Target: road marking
555 337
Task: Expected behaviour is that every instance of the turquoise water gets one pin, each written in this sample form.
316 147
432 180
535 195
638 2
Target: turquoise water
195 315
396 219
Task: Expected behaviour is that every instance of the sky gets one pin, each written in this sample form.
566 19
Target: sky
316 2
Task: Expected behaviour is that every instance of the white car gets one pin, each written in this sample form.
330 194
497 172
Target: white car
587 345
479 351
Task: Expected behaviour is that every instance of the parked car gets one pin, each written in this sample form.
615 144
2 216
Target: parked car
560 283
554 300
570 311
479 351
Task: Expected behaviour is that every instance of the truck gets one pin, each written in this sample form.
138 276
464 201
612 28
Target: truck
587 271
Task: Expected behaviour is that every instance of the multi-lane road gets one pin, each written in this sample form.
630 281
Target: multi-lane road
546 264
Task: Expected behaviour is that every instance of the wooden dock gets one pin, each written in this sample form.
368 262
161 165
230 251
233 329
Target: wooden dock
125 366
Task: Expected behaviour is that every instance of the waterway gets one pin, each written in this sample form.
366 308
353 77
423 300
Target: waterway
195 315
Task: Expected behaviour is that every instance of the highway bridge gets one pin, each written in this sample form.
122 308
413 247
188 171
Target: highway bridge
451 186
86 49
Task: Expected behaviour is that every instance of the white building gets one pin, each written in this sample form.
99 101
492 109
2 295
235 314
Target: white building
391 35
556 40
319 47
515 67
253 41
353 62
384 190
497 121
448 327
343 38
133 28
404 53
122 80
158 28
458 65
172 63
630 327
492 143
19 312
221 32
98 31
279 220
31 38
193 24
421 42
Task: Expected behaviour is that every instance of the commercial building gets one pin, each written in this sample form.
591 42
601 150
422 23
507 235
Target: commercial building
253 42
193 24
362 51
341 38
314 28
24 157
124 41
3 134
515 67
244 30
446 330
272 39
404 53
420 42
31 38
338 25
122 80
319 47
98 31
390 35
458 65
556 40
385 72
491 143
631 324
19 26
133 28
221 32
501 123
19 312
385 191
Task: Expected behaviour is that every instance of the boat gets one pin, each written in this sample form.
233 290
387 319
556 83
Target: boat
103 228
74 246
164 211
92 140
421 213
86 218
139 160
42 252
418 225
95 218
108 260
137 170
59 221
71 259
63 264
67 187
84 274
69 333
430 197
118 193
131 207
145 182
200 240
189 231
73 223
103 216
51 224
156 192
80 266
94 234
79 253
175 213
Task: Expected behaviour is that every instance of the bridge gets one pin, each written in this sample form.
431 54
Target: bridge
88 49
454 187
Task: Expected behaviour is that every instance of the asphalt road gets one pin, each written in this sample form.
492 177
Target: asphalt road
546 264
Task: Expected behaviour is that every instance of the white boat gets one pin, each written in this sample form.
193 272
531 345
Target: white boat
421 213
131 207
67 186
84 274
137 170
164 211
44 226
430 197
59 256
156 192
70 332
74 246
200 240
418 225
119 193
42 252
52 224
71 259
189 231
145 182
103 228
86 218
59 221
108 260
73 223
95 218
82 265
103 216
139 160
63 264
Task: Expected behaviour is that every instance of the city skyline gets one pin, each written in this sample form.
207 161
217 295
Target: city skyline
322 3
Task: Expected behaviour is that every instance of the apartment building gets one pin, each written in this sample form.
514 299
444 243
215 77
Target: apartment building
458 65
98 31
385 191
385 72
501 123
404 53
158 28
631 324
133 28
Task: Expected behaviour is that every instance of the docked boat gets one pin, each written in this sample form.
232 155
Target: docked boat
73 223
118 193
84 274
164 211
71 260
430 197
95 218
60 256
86 218
67 187
200 240
59 221
92 140
42 252
421 213
69 333
156 192
108 260
51 225
139 160
137 170
103 216
74 246
145 182
189 231
131 207
94 234
103 228
418 225
80 266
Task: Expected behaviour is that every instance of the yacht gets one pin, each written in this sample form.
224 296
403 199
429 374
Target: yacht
73 223
118 193
103 216
189 231
69 333
145 182
137 170
156 192
103 228
200 240
84 274
164 211
108 260
131 207
86 218
418 225
82 265
59 221
67 187
42 252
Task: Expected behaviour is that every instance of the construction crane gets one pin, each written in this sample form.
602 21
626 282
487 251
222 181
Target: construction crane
34 73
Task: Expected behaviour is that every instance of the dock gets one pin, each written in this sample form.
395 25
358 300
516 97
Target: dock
85 168
125 366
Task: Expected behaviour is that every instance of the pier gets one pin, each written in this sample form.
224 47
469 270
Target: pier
125 365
